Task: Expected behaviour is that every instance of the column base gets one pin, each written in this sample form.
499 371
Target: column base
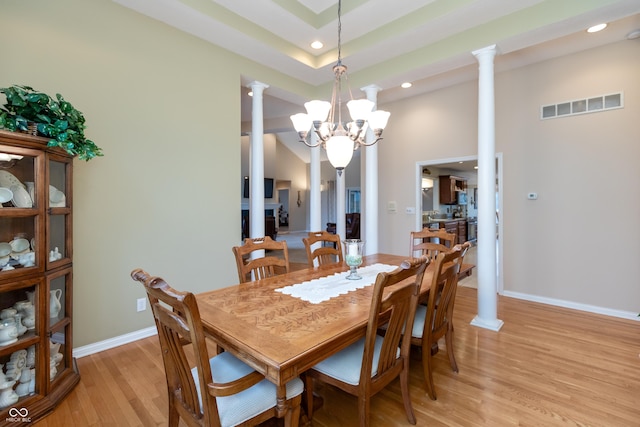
492 324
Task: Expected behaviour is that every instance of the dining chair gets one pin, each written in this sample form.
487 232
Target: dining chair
368 365
329 251
218 391
250 268
435 320
423 243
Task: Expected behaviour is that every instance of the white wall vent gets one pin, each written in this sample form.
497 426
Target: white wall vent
582 106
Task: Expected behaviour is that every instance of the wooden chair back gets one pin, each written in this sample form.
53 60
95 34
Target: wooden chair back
190 380
329 251
436 320
178 322
391 310
250 268
423 242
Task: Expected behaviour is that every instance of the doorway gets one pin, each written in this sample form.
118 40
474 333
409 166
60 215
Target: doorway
450 166
283 210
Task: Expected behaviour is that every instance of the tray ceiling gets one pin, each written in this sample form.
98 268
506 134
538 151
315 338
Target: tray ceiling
385 42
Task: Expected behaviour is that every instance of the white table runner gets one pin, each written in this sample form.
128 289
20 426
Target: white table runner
322 289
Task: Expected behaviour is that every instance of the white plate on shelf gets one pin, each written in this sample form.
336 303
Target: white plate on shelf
16 255
19 245
5 195
21 198
55 196
61 204
7 179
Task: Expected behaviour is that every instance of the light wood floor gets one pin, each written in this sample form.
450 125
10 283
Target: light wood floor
548 366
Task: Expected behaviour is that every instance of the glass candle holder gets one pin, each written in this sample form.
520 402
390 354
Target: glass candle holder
353 256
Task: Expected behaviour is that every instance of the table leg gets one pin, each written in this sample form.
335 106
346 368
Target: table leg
291 414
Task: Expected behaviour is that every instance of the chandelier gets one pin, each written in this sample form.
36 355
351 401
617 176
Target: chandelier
340 139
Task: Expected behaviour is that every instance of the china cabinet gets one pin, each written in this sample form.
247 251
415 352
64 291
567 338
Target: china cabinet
36 365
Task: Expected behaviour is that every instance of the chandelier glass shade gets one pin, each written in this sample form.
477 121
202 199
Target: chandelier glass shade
338 138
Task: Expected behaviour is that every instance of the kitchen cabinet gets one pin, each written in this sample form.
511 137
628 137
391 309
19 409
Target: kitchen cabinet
457 227
450 227
462 231
450 185
36 366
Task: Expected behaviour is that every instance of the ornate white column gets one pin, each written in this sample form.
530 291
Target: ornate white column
370 212
315 211
256 162
487 274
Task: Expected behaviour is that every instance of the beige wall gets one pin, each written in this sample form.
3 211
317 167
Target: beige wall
579 241
165 108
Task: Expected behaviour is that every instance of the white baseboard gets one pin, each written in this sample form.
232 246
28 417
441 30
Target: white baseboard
97 347
574 305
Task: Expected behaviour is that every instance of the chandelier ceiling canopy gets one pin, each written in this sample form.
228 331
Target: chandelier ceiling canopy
338 138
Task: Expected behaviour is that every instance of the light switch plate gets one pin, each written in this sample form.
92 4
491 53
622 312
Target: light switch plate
392 207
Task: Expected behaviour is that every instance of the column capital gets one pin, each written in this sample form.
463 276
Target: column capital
256 85
371 91
486 52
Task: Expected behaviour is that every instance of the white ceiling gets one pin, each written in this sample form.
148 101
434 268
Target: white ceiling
388 42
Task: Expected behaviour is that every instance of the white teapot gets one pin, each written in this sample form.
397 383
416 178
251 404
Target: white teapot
54 303
8 332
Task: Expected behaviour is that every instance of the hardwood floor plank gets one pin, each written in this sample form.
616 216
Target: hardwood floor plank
547 366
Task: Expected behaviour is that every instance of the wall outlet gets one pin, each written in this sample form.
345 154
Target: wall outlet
410 210
141 304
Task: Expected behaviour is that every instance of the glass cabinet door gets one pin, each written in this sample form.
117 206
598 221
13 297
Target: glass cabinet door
21 329
58 249
59 301
21 220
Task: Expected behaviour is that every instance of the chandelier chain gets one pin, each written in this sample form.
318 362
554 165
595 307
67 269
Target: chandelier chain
339 32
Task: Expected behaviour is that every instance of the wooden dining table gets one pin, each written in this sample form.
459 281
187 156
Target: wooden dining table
282 336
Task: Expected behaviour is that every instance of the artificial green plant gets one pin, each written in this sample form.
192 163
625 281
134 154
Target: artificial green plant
56 119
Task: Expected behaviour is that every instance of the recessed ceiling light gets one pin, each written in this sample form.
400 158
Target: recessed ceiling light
633 35
406 85
317 45
596 28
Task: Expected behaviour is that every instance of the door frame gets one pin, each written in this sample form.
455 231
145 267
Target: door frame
500 220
